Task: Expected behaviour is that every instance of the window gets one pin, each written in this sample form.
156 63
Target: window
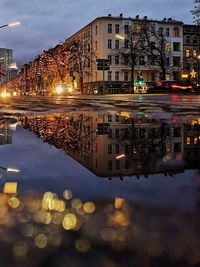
187 39
110 133
126 76
96 45
194 39
176 46
126 61
116 59
116 75
116 44
188 140
117 164
151 60
109 75
116 28
176 61
141 60
116 133
126 43
126 29
109 148
187 53
167 32
110 58
176 32
110 165
117 148
187 67
167 62
160 30
117 118
127 164
194 53
109 28
109 44
109 118
96 29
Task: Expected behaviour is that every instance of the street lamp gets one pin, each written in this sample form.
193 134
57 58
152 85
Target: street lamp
9 169
198 70
12 24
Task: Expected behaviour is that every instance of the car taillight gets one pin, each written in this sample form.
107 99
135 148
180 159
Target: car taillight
159 84
175 86
189 87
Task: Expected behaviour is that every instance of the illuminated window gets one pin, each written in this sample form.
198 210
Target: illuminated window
187 53
194 52
195 140
176 32
188 140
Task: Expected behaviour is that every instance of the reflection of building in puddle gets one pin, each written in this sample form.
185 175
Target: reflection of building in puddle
6 130
97 140
192 145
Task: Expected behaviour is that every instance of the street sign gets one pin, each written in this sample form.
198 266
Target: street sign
103 64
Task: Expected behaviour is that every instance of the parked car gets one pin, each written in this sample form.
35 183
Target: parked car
166 86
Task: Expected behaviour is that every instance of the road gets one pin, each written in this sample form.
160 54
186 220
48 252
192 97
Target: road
181 104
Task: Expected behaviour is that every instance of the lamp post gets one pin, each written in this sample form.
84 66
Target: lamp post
198 70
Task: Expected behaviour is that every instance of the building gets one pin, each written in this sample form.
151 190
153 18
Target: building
191 53
6 59
103 34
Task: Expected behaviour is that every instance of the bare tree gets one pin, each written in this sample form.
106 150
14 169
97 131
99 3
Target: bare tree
79 59
156 46
131 51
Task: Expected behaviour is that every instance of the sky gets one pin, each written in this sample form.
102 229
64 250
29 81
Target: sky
45 23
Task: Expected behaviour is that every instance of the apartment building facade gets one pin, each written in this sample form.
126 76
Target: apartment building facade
191 53
107 37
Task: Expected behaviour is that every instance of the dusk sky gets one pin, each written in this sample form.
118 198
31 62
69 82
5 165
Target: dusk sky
46 22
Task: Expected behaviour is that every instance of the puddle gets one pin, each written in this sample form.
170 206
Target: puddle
122 188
